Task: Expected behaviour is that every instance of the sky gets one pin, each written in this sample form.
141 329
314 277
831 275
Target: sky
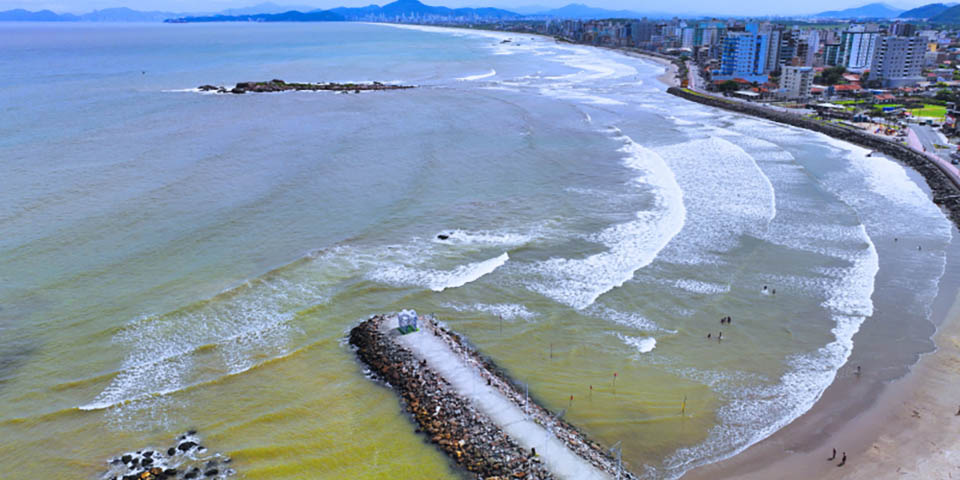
736 7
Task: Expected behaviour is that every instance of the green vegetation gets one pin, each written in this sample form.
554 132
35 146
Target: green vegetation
849 102
729 86
930 111
831 76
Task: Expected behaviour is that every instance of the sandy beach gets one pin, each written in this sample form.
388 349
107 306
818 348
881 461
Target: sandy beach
669 76
908 430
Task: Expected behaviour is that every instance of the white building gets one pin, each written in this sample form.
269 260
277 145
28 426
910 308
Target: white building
796 82
899 61
858 44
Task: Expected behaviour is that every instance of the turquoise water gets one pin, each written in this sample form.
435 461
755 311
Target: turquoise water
175 260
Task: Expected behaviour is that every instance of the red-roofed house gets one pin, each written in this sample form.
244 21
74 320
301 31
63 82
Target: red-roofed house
850 89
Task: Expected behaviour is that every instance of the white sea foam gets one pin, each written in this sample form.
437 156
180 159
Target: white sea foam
697 286
438 280
244 330
642 344
493 238
632 245
508 311
627 319
727 197
480 76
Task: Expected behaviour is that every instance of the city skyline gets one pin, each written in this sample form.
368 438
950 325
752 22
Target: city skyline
690 7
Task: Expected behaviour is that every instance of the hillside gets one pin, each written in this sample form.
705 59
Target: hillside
950 15
872 10
925 11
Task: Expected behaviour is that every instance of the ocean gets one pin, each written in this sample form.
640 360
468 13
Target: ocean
176 260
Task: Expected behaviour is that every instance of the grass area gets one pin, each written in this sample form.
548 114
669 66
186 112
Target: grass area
930 111
849 102
881 106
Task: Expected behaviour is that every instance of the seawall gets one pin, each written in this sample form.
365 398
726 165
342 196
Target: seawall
468 407
944 183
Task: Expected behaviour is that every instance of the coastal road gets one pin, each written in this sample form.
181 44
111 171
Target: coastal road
930 138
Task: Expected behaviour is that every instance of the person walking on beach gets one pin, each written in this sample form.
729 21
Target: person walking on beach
834 456
720 336
843 461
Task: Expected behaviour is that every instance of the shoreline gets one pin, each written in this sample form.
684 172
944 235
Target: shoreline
944 186
904 428
907 429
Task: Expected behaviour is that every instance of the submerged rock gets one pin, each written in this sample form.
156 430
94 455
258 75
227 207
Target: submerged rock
186 459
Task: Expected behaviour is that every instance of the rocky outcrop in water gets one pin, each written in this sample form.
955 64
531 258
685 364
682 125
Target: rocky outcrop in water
186 459
281 86
946 191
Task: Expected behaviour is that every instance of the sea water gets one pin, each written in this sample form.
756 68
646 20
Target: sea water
174 260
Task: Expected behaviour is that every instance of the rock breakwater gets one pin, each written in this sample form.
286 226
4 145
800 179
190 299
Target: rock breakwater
454 422
282 86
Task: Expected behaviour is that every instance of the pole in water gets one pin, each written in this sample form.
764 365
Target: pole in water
526 396
683 406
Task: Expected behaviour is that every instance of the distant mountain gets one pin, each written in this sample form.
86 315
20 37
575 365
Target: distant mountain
872 10
926 11
529 9
124 14
267 7
404 9
950 15
294 16
579 10
21 15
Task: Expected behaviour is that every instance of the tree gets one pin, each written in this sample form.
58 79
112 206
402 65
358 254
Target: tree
729 86
832 75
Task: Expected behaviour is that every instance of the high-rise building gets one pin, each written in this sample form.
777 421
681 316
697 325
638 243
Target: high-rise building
743 55
898 61
856 49
900 29
796 82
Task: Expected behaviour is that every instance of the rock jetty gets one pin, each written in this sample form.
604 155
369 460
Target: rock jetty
455 422
186 459
945 188
276 85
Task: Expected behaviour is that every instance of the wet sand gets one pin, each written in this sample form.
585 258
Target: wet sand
668 77
906 428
